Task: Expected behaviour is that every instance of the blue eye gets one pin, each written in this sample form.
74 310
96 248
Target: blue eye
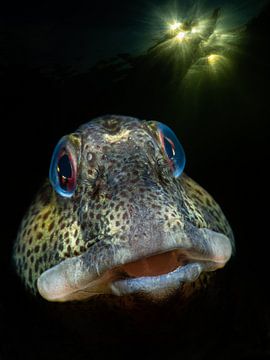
172 148
63 170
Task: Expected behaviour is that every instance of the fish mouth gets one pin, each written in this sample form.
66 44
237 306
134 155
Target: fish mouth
157 275
108 269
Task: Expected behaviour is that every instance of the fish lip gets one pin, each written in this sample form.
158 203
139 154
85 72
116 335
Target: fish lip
83 276
160 285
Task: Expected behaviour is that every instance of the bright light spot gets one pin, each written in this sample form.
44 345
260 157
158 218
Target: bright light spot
195 30
181 35
213 59
201 45
174 26
219 64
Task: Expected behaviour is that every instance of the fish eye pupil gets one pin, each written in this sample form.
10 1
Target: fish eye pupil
64 171
169 147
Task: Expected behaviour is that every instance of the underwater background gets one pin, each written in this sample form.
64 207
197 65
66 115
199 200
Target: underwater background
203 69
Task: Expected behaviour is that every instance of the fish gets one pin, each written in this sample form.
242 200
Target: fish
118 215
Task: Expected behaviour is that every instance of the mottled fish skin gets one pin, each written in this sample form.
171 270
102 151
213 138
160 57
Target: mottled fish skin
124 187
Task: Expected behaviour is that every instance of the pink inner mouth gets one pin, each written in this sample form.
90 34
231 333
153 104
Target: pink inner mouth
154 265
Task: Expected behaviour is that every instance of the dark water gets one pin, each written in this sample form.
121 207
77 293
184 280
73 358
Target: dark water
223 128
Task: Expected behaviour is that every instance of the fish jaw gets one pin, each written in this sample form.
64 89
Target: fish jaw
120 270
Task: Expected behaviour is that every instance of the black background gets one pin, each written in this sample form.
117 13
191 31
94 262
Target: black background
225 135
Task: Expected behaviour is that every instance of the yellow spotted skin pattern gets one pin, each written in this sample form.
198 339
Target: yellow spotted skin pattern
48 233
122 173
